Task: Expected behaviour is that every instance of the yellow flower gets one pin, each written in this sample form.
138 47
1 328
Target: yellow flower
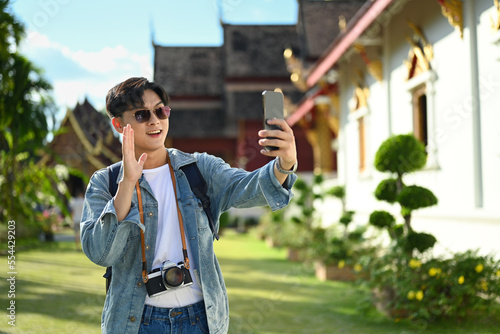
479 268
341 264
411 295
358 267
433 271
498 273
461 280
419 295
414 263
484 285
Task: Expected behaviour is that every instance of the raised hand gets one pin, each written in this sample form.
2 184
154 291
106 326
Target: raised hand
132 171
132 168
285 141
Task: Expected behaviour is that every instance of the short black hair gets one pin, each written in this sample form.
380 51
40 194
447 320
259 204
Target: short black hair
129 94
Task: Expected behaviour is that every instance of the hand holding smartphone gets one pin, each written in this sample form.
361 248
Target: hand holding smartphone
273 108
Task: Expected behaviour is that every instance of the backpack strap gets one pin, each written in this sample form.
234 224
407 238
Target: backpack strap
107 276
113 171
199 188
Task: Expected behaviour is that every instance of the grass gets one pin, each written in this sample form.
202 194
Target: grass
268 294
58 290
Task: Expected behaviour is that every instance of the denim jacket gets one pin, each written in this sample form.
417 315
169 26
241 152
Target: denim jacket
109 242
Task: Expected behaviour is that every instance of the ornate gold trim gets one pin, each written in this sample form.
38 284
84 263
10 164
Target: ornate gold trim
342 23
296 70
99 148
360 95
108 153
496 25
95 162
452 10
374 67
81 136
420 54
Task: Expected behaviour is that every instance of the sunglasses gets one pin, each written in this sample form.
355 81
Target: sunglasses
142 116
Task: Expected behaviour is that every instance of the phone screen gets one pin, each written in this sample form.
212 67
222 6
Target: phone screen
273 108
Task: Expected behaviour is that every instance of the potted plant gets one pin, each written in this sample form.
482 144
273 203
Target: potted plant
270 227
302 218
336 250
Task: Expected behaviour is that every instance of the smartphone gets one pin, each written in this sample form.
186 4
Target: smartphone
273 108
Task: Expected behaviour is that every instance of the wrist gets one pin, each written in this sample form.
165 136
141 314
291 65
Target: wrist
126 184
285 168
287 165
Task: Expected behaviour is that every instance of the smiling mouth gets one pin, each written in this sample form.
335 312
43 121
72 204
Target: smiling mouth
155 132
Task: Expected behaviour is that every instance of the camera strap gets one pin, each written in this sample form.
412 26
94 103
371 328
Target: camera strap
141 213
181 225
179 214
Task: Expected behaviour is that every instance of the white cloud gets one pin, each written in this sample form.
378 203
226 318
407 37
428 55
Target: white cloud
36 40
76 74
107 59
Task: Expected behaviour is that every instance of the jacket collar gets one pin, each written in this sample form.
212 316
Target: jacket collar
177 158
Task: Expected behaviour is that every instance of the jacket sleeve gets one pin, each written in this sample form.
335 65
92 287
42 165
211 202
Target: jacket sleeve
103 237
234 187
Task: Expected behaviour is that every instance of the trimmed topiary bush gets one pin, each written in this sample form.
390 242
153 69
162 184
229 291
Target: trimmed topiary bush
382 219
387 190
415 197
400 155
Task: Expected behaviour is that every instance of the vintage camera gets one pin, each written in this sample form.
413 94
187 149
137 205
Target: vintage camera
169 276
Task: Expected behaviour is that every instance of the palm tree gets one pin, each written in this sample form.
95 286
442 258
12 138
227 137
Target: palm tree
25 105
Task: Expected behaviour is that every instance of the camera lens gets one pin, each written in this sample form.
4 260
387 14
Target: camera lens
173 276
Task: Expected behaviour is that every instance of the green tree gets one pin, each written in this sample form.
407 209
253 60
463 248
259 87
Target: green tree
25 106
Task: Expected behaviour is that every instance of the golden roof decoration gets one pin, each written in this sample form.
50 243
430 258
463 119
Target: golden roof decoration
452 10
495 22
421 53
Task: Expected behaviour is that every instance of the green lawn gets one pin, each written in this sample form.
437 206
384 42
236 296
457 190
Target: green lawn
58 290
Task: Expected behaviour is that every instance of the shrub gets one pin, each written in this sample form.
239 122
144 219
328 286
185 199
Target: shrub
462 285
338 244
400 155
293 227
407 281
382 219
387 190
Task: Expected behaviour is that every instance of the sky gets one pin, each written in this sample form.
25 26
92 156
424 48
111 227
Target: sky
85 47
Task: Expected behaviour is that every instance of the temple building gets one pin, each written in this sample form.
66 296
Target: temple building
85 142
427 67
216 92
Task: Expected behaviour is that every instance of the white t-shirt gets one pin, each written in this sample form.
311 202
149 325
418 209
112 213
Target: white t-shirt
76 206
168 240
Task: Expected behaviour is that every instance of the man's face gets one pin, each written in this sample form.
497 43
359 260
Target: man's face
149 136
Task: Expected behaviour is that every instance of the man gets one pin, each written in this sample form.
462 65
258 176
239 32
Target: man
176 229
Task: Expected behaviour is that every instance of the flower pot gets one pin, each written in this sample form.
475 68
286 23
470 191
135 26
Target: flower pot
295 255
383 299
334 273
270 242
